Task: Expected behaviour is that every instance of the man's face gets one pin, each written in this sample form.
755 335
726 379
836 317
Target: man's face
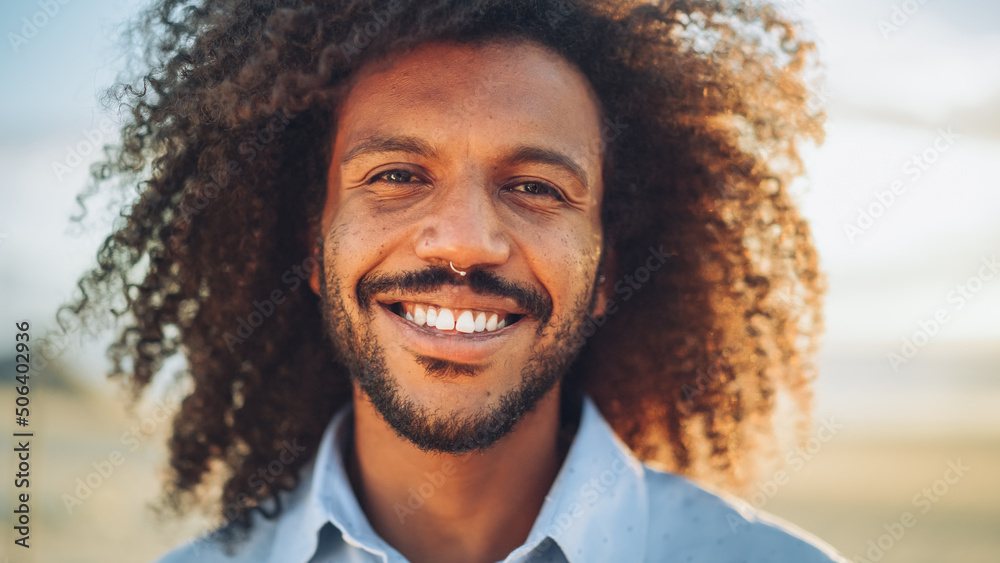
482 158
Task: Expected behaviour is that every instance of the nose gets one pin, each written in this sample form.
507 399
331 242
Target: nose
464 229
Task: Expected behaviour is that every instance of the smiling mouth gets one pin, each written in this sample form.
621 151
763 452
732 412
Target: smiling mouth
466 321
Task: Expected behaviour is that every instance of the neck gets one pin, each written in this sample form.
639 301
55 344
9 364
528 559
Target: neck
473 507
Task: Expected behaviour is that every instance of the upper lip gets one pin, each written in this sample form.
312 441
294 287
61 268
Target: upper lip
456 299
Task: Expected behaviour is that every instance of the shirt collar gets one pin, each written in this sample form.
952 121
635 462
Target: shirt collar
326 495
597 508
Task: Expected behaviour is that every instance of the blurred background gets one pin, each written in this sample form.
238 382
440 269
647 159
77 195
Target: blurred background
904 200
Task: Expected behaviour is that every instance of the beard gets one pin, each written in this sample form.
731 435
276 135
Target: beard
431 429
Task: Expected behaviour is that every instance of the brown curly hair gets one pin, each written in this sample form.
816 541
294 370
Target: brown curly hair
229 140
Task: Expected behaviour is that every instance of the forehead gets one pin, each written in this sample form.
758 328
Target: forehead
510 72
477 95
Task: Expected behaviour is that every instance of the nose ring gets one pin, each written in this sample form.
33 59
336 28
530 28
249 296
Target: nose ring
456 270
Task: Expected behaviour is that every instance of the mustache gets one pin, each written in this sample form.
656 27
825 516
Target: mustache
433 278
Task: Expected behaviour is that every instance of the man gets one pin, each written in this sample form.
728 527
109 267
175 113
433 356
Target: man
419 256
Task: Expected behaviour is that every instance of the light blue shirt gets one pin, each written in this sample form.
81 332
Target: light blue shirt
604 506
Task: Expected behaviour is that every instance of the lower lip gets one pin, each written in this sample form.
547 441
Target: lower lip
454 346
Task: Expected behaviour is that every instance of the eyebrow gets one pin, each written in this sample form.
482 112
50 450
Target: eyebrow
522 154
528 154
379 144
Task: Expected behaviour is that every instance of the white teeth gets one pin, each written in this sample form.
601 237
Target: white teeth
468 321
465 323
445 320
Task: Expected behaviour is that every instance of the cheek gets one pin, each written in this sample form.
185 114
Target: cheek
361 237
349 251
357 242
565 264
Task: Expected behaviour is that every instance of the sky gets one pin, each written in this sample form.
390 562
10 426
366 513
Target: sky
927 87
891 92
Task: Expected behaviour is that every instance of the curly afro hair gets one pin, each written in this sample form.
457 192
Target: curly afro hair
228 142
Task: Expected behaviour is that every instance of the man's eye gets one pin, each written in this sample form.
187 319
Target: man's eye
537 188
394 176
